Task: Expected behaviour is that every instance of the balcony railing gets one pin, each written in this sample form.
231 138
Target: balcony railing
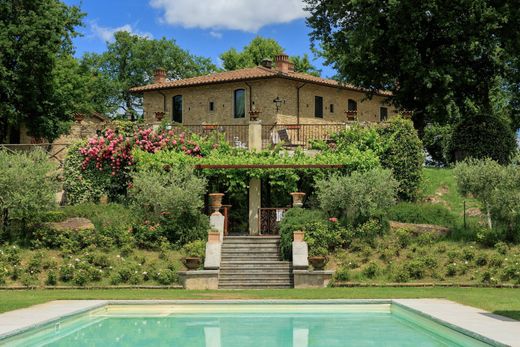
298 135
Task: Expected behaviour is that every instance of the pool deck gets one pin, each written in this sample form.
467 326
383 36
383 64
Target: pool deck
473 321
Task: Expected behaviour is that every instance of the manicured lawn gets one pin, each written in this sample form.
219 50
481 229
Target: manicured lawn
504 301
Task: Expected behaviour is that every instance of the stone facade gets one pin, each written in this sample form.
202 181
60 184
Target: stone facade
259 96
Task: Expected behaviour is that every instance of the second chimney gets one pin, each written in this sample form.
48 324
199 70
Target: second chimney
160 75
283 64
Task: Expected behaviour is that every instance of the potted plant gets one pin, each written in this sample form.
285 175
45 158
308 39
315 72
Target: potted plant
351 115
159 116
318 257
298 199
194 253
253 115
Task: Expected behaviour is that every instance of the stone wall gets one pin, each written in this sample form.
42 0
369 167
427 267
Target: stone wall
260 95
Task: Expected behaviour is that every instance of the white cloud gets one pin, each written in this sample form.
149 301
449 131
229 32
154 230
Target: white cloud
107 33
215 34
245 15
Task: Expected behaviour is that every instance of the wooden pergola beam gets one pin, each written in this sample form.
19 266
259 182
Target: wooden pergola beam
269 166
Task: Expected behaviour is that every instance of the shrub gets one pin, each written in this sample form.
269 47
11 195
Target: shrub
27 191
296 219
401 275
52 278
371 270
403 155
407 212
175 200
415 268
195 249
166 277
357 197
481 260
436 141
483 136
342 274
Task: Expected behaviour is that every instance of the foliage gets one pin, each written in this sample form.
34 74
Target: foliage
296 219
403 154
27 189
483 136
396 145
262 48
437 140
34 36
130 61
357 197
436 62
107 160
195 248
174 200
422 213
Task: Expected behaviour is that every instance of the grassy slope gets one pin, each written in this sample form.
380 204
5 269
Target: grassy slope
441 183
501 301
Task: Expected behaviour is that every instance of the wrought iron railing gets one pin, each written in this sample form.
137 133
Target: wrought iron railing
270 219
236 135
298 135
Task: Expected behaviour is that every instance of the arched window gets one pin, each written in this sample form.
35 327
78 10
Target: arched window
351 105
239 103
177 109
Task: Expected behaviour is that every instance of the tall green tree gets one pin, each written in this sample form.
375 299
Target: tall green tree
34 35
261 48
131 60
440 58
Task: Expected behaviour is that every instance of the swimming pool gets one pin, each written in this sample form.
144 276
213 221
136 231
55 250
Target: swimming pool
242 325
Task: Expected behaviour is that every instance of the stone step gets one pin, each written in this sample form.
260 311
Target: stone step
255 272
229 258
254 277
250 252
255 263
239 285
249 281
249 245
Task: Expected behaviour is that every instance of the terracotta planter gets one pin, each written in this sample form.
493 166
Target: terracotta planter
298 199
79 117
253 115
215 201
192 263
298 236
208 127
318 262
159 116
351 115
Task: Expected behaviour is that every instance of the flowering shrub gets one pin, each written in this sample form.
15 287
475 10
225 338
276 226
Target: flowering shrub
103 164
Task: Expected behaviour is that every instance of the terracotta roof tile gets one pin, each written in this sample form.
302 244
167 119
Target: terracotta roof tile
254 73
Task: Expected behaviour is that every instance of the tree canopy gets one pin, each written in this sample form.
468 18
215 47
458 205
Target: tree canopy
261 48
35 42
442 59
130 61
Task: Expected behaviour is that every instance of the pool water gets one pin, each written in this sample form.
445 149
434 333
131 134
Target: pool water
243 325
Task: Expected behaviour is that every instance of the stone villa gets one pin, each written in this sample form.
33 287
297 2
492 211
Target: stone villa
277 93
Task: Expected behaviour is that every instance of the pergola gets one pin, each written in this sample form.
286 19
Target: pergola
255 197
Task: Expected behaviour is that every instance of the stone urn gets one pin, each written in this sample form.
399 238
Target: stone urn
192 263
318 262
298 236
297 199
215 201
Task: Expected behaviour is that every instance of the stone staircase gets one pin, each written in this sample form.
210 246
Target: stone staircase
253 262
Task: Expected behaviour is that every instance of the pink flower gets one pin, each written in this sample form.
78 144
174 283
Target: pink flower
333 220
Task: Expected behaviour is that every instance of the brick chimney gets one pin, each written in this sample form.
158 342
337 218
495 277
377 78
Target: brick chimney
283 64
159 75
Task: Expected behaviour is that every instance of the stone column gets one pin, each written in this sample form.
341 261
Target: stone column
255 198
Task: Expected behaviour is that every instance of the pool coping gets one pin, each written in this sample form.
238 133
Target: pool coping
482 325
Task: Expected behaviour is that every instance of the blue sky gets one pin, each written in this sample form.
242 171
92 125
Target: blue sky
203 27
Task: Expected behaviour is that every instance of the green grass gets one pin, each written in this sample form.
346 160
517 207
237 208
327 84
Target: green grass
441 183
503 301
